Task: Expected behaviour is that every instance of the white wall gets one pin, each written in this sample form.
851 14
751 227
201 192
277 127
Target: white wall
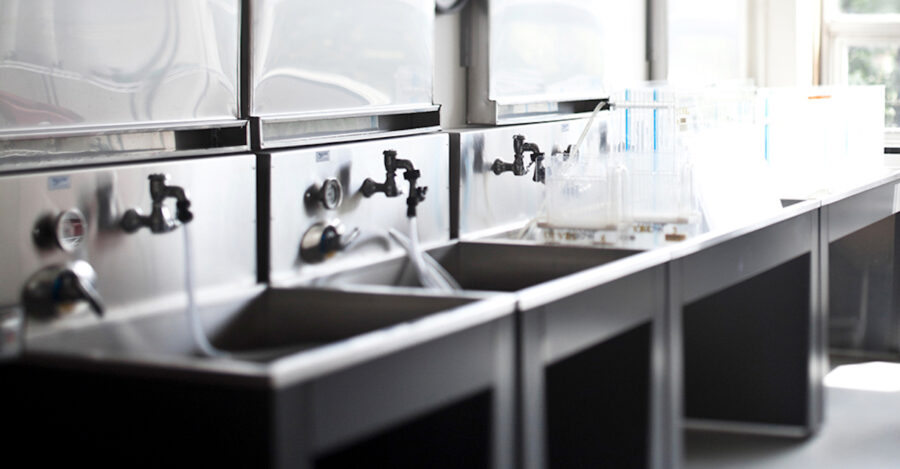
449 76
786 41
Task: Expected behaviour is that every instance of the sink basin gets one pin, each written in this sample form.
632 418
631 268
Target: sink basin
487 266
312 378
261 328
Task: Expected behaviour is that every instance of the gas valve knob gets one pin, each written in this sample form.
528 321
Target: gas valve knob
65 231
329 195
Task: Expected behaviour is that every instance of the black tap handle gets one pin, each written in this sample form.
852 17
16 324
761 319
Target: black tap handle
183 212
499 167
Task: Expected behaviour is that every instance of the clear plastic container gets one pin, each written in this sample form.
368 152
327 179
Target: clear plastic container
585 192
821 139
650 133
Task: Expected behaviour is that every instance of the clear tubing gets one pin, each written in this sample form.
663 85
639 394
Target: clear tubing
587 128
200 341
429 271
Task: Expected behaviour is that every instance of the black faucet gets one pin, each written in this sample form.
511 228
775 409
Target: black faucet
518 168
389 186
159 220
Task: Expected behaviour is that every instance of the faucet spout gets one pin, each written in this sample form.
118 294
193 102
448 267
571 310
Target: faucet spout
517 167
159 220
389 186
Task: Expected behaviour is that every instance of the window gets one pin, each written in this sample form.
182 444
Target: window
707 40
861 46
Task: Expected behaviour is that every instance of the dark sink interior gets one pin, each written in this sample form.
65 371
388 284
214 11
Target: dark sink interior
274 323
487 266
283 321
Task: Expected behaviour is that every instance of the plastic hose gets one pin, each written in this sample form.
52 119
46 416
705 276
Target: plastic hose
199 336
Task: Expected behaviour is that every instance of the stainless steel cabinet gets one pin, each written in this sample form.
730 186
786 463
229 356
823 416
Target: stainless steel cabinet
337 70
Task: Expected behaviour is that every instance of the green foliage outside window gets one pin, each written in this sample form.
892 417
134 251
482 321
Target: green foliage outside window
878 66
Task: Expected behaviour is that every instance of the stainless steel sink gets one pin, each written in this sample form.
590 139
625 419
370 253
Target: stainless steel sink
312 378
486 266
260 328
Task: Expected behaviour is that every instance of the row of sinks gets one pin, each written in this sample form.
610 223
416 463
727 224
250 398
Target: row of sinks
342 333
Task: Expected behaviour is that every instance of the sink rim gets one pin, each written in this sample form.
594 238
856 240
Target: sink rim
292 368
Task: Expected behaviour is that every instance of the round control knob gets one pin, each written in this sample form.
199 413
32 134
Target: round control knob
330 194
66 231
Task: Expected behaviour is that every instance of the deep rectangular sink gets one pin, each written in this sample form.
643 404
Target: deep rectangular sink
263 328
486 266
313 378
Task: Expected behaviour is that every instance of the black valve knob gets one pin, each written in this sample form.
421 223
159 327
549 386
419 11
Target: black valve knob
329 195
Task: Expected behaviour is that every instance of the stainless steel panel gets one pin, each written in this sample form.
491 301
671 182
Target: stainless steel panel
708 265
334 366
722 265
404 386
293 173
140 271
574 323
485 202
536 272
853 212
89 64
312 57
73 148
536 60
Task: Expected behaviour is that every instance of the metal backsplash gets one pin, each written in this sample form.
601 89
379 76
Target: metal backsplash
549 59
294 177
141 271
114 66
331 70
484 203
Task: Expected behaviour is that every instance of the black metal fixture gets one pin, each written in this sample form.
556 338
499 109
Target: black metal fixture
389 186
329 195
517 167
159 220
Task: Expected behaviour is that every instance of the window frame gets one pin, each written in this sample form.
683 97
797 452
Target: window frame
840 31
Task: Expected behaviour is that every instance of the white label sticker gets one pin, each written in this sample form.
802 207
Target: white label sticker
896 198
55 183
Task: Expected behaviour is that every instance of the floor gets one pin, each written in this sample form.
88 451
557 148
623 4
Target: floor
862 430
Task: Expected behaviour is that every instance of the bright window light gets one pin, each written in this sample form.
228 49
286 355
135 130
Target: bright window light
872 376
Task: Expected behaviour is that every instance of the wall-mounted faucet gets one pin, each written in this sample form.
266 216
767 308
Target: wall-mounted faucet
159 220
389 186
517 167
56 286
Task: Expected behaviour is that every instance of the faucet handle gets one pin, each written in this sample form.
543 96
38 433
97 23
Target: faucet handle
83 283
183 211
324 239
55 285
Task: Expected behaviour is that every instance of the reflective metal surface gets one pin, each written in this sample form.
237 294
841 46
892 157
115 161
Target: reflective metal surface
34 150
261 332
339 366
860 267
12 331
765 275
293 175
320 67
140 271
484 202
539 60
91 64
488 267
